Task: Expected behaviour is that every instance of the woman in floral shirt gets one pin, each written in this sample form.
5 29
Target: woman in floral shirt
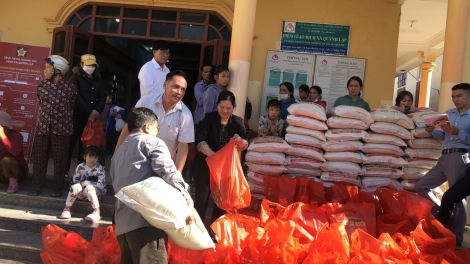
56 98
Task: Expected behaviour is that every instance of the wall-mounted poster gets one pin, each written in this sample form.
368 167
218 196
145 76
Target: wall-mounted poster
295 68
316 38
21 69
333 73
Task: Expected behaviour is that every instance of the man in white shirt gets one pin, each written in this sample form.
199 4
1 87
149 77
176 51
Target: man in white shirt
153 74
175 121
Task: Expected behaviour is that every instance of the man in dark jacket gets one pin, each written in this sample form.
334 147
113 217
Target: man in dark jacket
91 97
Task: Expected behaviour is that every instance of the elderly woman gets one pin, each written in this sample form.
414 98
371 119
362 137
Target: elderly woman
56 98
214 132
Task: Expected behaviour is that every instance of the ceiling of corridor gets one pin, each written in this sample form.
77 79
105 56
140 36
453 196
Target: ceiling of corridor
422 27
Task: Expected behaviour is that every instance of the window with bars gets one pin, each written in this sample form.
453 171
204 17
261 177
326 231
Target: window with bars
402 80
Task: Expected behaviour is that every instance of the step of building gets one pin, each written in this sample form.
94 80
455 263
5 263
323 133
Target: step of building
20 246
49 184
9 261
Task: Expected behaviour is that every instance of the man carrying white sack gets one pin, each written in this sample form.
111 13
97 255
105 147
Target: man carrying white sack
142 155
450 167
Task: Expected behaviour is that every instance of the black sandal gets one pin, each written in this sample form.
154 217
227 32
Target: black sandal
34 192
56 193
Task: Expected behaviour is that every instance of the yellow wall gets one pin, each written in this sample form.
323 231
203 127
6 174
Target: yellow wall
374 32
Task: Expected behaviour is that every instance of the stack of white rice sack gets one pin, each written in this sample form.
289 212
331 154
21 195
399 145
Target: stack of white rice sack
265 156
383 146
347 125
305 134
423 151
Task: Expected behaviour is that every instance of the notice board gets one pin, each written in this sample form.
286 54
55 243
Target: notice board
21 69
332 74
296 68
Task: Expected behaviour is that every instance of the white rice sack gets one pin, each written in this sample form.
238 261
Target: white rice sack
301 162
165 208
425 143
391 129
268 144
382 149
257 188
337 177
325 183
343 167
342 122
356 157
271 170
353 112
393 116
409 184
344 134
413 173
336 146
267 158
386 160
372 170
255 177
306 152
418 118
306 132
306 122
303 171
312 110
420 133
303 140
423 153
423 163
383 139
380 182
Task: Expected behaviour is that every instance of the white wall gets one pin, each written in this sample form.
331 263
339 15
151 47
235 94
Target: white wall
436 84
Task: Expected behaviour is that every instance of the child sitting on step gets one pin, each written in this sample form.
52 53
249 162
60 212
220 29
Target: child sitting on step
88 182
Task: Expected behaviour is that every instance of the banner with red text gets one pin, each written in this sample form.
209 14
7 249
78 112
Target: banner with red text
21 69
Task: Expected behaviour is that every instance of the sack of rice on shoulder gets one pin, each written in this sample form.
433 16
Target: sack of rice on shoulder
303 140
268 144
301 162
306 132
306 152
386 160
372 170
353 112
350 156
370 148
342 167
409 185
338 177
336 146
420 133
311 110
343 122
394 117
268 158
303 171
266 169
391 129
381 182
345 134
373 137
306 122
413 173
423 163
423 153
418 118
425 143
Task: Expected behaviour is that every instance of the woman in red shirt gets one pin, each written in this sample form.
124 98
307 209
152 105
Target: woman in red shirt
314 95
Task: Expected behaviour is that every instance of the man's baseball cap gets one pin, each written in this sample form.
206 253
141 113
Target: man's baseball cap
5 120
89 59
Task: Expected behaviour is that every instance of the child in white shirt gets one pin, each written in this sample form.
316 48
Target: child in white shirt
88 182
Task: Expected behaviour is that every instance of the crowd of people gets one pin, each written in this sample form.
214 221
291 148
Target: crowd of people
155 141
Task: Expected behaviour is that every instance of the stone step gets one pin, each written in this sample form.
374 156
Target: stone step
48 184
20 246
9 261
33 219
57 204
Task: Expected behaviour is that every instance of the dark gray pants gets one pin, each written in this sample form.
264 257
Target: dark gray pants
144 245
449 168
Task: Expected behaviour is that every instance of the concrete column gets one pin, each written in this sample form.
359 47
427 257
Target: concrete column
454 50
425 83
240 51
